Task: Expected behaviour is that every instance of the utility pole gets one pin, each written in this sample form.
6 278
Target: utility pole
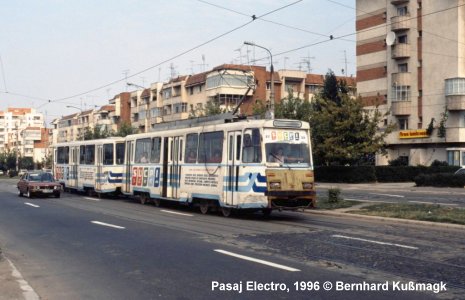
270 113
308 62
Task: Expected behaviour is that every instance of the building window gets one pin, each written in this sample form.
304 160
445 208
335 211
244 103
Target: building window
403 123
402 39
402 11
455 86
402 68
453 157
401 93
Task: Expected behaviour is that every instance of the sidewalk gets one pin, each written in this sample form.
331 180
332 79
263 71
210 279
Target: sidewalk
13 286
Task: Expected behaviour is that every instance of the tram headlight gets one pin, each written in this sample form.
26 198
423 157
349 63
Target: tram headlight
275 185
307 185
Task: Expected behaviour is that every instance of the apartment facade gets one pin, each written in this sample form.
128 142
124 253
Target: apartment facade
185 97
23 130
410 62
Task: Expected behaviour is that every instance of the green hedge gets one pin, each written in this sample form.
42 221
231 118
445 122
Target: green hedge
440 180
345 174
361 174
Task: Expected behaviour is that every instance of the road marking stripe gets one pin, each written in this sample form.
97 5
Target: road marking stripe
360 200
108 225
92 199
371 241
28 291
389 195
30 204
176 213
432 203
264 262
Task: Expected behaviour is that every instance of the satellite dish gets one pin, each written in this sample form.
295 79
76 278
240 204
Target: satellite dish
390 38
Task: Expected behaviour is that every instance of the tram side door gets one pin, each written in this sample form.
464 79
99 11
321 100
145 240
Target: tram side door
99 175
234 159
171 167
73 164
127 170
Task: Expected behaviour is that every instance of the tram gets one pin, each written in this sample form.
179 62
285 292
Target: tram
221 165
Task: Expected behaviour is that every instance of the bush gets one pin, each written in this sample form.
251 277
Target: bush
12 173
437 163
440 180
345 174
334 195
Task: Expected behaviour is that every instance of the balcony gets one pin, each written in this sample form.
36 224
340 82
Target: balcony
398 2
401 108
455 93
400 23
402 78
399 51
455 134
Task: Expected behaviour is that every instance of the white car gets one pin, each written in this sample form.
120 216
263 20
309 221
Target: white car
1 172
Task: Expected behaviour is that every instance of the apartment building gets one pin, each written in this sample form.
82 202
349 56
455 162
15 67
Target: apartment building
184 97
410 61
22 130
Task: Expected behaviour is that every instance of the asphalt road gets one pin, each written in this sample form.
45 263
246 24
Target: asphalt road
63 251
397 193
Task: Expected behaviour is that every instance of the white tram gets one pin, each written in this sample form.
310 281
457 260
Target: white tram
243 165
93 166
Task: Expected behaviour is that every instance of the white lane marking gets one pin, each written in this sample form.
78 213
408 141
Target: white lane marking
176 213
108 225
260 261
432 203
30 204
374 242
360 200
388 195
92 199
28 291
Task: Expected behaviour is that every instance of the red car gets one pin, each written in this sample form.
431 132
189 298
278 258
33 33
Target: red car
38 183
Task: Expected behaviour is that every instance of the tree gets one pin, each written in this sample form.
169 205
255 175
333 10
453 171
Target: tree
293 108
125 129
346 134
343 132
212 108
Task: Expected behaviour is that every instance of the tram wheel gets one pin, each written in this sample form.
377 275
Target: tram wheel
157 202
226 211
204 207
267 212
143 198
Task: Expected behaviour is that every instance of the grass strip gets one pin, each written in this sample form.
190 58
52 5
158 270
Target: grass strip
421 212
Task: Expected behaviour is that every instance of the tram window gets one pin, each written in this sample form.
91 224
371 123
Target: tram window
251 150
191 148
143 150
108 154
63 155
90 155
211 147
82 155
155 153
238 147
120 153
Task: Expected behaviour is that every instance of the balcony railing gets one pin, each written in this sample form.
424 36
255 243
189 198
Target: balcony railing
402 78
400 23
401 108
400 50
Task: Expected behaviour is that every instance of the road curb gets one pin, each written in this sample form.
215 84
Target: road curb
386 219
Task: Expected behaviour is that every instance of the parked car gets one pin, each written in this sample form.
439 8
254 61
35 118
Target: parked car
22 172
1 172
38 183
460 171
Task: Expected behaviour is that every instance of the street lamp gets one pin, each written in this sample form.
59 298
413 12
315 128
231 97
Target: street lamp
135 85
270 113
82 123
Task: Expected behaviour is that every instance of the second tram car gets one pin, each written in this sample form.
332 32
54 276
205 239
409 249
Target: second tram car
93 166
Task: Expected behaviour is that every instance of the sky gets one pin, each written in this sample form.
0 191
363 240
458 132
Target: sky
58 53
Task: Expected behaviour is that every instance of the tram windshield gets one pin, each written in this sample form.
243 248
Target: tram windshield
287 146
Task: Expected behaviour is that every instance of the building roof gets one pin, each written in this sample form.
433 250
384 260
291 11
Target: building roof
19 111
178 79
314 79
69 116
107 108
32 128
145 94
196 79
